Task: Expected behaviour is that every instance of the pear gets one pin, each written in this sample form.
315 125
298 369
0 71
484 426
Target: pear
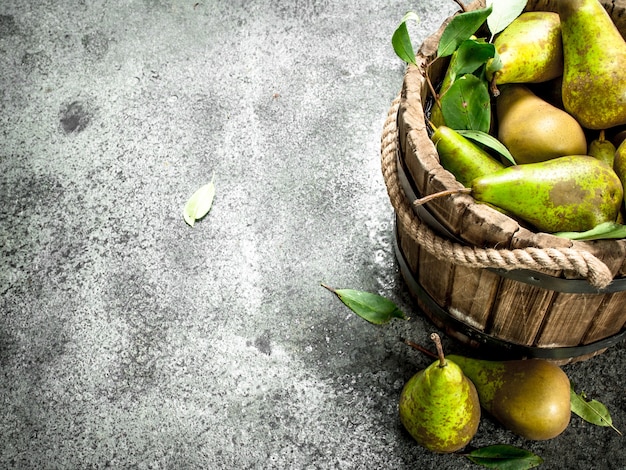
439 406
602 149
619 164
566 194
594 72
534 130
530 397
461 157
530 49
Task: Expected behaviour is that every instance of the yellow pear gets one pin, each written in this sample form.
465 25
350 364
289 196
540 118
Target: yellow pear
530 49
534 130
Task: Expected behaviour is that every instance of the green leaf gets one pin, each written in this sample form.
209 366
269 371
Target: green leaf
371 307
199 204
471 55
603 231
460 28
504 457
591 411
401 39
467 104
489 141
503 14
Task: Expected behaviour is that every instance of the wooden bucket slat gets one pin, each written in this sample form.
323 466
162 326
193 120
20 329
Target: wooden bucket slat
562 326
410 249
435 276
473 296
520 310
611 319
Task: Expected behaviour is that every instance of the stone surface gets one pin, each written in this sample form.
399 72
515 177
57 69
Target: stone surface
130 340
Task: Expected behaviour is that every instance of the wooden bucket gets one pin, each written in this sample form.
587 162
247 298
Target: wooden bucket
479 275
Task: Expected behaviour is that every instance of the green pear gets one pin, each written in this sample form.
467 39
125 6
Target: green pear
461 157
439 406
594 73
534 130
530 49
602 149
529 397
566 194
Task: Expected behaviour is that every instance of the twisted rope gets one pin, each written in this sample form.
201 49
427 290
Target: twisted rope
544 260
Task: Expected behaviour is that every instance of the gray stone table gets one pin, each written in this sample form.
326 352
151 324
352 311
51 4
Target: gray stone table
131 340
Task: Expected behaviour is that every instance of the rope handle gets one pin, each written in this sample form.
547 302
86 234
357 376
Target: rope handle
543 260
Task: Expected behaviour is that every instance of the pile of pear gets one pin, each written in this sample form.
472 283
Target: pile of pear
440 406
560 110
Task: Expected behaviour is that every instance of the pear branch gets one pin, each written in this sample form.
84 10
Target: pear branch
460 4
420 348
436 96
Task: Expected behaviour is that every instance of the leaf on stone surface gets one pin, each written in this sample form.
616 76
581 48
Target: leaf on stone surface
199 204
504 457
591 411
371 307
503 14
603 231
460 28
489 141
401 39
467 104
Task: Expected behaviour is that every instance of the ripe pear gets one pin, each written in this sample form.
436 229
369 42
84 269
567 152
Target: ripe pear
602 149
530 49
594 73
439 406
534 130
529 397
461 157
566 194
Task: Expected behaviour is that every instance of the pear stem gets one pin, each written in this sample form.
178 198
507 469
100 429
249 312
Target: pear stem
447 192
437 340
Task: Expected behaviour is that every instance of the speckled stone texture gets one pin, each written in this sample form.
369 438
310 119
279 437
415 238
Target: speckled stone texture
130 340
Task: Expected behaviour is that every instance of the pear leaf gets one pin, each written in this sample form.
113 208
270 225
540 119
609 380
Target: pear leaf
460 28
199 204
504 457
471 55
503 14
401 39
467 104
371 307
591 411
603 231
489 141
